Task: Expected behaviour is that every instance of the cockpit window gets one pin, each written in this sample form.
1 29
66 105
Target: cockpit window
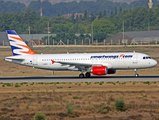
146 57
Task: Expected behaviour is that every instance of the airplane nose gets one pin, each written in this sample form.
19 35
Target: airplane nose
154 62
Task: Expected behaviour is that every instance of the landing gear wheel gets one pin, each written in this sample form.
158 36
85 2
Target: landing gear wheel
136 75
87 75
81 75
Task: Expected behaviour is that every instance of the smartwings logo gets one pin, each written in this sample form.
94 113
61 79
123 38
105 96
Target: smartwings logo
18 46
113 56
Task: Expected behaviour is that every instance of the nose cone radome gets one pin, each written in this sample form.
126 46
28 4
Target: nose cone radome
154 63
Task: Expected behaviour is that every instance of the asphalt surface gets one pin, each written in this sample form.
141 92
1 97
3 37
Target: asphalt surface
49 79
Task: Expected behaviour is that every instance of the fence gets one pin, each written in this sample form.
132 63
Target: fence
2 43
95 43
105 42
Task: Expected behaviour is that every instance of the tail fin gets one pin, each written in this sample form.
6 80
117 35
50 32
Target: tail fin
18 46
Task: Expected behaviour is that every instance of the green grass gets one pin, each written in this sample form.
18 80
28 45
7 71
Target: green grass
17 85
147 82
77 97
60 87
143 95
120 105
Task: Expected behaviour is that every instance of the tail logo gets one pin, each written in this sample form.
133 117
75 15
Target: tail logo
18 46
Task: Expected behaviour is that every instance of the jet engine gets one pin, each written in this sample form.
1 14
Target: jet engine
99 70
102 70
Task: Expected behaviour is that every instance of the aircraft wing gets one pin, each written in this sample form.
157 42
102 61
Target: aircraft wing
83 66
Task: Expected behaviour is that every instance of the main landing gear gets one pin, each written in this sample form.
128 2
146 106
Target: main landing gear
87 75
136 75
81 75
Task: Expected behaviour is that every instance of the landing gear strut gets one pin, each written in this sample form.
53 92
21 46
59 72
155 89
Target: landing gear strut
136 75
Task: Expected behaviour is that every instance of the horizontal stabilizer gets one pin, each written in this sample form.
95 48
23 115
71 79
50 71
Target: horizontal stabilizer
14 60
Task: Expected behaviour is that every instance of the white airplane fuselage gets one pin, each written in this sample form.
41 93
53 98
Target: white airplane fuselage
127 60
95 63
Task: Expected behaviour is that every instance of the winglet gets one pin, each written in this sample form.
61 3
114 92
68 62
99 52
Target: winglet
18 46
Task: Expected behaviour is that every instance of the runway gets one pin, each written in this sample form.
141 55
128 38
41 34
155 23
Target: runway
49 79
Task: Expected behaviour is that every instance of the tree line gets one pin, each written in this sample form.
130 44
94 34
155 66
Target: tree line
102 25
62 8
10 6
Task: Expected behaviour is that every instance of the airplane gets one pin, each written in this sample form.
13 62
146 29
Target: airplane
95 63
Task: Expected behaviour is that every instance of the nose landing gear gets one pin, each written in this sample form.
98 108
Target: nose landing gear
136 75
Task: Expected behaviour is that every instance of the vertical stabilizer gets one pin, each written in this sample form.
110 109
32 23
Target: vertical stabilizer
18 46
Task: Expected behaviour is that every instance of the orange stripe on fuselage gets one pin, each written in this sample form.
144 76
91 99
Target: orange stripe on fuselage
27 52
121 55
16 38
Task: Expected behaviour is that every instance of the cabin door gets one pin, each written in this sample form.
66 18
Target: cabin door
135 58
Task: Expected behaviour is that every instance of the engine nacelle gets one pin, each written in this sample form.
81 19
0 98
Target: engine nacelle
99 70
111 71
